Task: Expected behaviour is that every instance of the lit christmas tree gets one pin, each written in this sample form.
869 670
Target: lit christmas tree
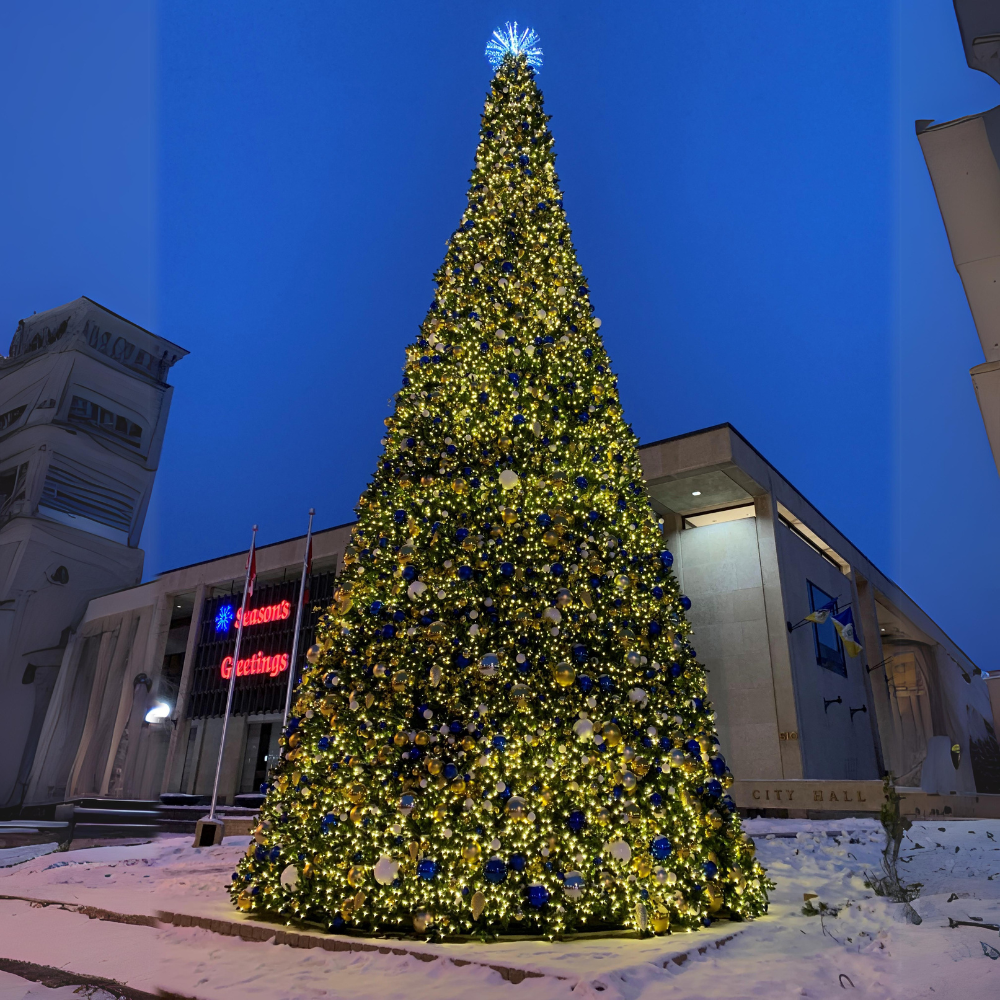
503 727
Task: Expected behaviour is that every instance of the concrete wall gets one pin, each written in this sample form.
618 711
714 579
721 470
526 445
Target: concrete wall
718 567
834 744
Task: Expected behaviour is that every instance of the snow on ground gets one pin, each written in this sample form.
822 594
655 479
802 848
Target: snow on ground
786 954
15 988
16 855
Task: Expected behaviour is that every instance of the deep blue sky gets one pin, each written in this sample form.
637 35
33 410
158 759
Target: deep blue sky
271 185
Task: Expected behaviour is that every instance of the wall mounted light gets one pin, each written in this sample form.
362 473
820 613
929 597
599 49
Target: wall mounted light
158 712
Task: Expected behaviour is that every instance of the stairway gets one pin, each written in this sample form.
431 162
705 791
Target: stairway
180 813
115 818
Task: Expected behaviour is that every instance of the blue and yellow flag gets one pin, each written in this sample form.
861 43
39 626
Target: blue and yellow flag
844 624
820 615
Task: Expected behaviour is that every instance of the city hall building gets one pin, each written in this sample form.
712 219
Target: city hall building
754 556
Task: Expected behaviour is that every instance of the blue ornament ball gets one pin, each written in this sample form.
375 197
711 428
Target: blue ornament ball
660 848
495 871
685 602
577 821
427 869
538 896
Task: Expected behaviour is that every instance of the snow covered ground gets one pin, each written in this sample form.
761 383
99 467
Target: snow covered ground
866 949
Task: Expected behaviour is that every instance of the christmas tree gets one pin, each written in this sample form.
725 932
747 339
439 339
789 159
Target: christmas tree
503 728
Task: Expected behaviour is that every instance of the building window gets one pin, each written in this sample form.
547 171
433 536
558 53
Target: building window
804 533
83 411
720 516
829 649
11 417
12 484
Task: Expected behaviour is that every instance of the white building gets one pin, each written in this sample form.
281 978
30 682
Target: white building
83 409
754 556
963 159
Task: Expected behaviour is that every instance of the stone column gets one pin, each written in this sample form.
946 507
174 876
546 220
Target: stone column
777 634
174 765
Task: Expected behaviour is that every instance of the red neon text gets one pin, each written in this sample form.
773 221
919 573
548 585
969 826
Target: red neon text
270 613
256 664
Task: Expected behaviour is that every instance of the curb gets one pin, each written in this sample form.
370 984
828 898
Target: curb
306 939
54 978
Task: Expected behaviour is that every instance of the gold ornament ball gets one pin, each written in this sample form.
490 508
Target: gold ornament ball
399 680
612 734
603 817
564 674
471 852
400 739
355 876
357 792
521 695
357 814
517 808
433 765
628 781
313 653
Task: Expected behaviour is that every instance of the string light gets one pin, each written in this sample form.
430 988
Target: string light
504 727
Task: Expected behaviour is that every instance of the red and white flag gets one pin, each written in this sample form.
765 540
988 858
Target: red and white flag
309 570
251 567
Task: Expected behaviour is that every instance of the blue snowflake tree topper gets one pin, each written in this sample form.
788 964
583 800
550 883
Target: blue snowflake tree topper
506 41
224 618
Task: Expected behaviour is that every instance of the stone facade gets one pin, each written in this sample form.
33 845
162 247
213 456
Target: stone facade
83 409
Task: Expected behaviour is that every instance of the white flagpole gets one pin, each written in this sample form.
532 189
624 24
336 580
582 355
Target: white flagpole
298 621
232 676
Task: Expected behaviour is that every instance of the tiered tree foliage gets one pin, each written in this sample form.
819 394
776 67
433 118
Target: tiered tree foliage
504 728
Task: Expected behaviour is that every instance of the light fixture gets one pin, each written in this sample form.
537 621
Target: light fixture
158 712
696 493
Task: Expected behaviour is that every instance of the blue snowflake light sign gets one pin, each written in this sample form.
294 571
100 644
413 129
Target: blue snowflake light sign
224 618
506 41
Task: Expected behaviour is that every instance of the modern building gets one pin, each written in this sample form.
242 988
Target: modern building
755 557
178 631
751 552
963 159
83 408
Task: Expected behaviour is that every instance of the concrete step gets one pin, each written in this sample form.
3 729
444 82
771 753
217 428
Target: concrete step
127 816
115 830
141 805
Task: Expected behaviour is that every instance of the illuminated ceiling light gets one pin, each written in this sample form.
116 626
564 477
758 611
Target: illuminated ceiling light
158 712
696 493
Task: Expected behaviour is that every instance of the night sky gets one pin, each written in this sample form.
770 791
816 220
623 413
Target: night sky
271 185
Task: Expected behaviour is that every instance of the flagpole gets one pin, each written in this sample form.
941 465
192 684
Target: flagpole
298 619
232 676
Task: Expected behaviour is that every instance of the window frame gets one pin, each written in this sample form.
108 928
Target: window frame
837 666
